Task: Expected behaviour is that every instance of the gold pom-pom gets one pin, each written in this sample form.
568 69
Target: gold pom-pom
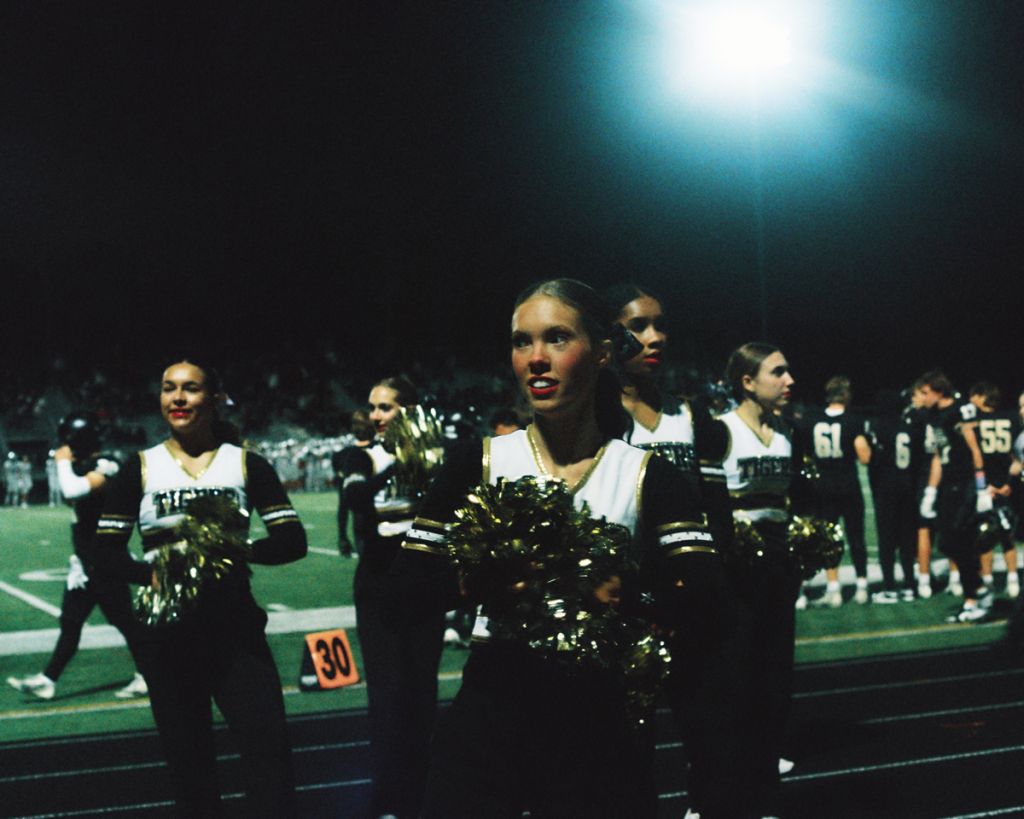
747 545
416 437
213 546
814 544
540 566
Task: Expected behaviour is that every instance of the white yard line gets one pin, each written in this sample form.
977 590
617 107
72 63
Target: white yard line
280 622
31 599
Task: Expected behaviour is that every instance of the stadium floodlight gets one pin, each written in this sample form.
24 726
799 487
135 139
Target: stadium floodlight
730 55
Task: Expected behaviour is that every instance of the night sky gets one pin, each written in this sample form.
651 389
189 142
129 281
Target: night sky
383 178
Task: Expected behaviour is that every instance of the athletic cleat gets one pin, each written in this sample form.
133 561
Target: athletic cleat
970 613
886 597
1012 586
38 685
785 765
924 589
136 688
801 602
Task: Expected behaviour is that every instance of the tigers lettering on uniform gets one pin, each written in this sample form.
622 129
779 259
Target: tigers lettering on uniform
175 501
762 466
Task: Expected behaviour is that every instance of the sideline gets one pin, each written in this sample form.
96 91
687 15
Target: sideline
40 641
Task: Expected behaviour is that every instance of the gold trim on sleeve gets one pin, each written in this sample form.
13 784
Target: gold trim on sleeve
487 460
145 470
419 547
682 550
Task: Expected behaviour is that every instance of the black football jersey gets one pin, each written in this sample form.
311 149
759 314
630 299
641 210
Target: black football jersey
947 427
897 447
996 433
830 440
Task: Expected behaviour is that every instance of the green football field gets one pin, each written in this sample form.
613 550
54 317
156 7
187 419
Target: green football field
311 595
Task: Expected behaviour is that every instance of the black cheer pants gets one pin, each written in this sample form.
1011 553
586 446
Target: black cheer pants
525 734
185 670
766 593
400 664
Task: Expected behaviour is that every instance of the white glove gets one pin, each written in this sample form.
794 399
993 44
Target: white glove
77 578
928 502
984 502
107 468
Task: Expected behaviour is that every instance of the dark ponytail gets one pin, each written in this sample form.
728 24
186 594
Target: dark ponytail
744 361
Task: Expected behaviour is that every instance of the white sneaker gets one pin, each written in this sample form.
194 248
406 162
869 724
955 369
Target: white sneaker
970 613
136 688
785 765
955 588
38 685
832 599
861 595
924 588
885 597
801 602
1012 586
691 814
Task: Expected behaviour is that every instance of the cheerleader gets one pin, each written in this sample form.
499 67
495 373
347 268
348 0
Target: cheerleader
216 650
525 732
400 660
761 471
684 433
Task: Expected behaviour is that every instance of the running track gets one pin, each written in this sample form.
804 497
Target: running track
919 735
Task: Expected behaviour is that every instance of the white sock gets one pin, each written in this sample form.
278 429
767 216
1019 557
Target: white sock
987 579
862 582
833 585
954 577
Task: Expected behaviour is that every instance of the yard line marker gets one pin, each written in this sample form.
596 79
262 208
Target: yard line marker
320 550
31 599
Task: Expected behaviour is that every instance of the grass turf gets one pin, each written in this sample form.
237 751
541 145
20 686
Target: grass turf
34 547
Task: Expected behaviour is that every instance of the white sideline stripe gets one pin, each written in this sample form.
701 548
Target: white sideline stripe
948 712
908 684
1016 810
40 641
139 766
320 550
319 786
118 705
31 599
887 766
904 632
908 763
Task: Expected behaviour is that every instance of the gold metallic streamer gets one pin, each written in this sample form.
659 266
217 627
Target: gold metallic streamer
416 437
536 563
213 546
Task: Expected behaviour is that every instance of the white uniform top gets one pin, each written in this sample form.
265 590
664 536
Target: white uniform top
672 438
757 474
167 487
612 486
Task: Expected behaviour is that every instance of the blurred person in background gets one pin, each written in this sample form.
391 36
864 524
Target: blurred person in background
83 474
